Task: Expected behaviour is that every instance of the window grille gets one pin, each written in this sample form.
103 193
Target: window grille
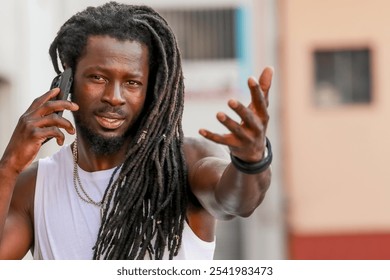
342 77
204 34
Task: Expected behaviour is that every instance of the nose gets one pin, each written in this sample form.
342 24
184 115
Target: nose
113 94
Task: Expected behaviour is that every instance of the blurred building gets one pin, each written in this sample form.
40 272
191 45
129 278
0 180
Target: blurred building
335 106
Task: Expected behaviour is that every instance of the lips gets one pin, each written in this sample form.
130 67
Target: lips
110 122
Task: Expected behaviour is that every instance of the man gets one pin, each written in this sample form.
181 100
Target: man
131 186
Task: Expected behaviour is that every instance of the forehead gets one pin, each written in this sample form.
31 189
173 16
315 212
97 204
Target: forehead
100 49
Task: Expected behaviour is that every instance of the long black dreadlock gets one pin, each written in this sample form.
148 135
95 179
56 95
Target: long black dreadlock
146 206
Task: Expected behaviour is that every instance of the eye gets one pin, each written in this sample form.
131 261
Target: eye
97 78
133 83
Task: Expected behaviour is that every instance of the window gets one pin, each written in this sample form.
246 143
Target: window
204 34
342 77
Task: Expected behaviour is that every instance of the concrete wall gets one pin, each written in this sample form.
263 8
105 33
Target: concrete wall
336 159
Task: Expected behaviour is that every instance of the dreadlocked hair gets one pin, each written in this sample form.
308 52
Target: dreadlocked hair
144 210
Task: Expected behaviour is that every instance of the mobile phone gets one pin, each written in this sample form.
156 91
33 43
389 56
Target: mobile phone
64 82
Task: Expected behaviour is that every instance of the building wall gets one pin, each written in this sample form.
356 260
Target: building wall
336 159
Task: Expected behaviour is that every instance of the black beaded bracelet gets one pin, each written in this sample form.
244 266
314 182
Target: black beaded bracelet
257 167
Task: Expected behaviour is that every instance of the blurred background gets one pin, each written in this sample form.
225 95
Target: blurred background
329 108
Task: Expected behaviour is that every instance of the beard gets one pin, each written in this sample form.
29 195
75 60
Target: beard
100 145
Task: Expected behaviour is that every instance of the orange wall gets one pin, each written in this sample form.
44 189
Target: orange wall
337 160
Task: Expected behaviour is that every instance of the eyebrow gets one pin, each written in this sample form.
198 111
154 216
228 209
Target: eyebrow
132 73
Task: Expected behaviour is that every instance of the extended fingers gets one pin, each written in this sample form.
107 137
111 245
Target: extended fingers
266 80
259 100
238 134
234 127
217 138
260 90
246 114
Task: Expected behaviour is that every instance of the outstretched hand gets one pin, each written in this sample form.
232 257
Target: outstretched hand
247 138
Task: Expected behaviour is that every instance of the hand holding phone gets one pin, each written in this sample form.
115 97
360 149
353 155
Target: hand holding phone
64 82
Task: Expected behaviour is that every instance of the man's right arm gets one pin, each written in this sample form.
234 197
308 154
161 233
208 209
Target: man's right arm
16 211
18 175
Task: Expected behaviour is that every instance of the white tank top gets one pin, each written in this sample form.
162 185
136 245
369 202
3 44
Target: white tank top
67 227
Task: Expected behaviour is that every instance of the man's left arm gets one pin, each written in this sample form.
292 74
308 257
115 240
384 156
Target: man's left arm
236 185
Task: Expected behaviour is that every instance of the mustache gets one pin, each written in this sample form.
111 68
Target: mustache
107 109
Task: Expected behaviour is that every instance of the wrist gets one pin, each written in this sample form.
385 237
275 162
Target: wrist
257 167
7 166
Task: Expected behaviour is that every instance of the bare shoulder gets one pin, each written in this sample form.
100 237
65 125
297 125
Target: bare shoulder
18 232
24 192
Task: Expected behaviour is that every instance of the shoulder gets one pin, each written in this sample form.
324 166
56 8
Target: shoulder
24 192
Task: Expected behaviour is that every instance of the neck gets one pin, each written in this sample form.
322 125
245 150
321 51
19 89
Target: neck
91 161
